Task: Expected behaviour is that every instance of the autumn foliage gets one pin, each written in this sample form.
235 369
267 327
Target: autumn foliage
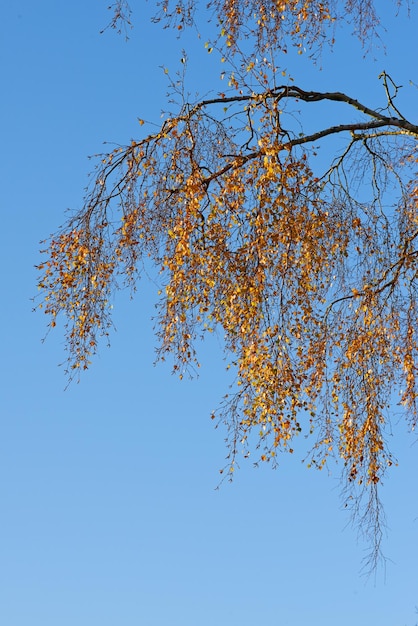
310 276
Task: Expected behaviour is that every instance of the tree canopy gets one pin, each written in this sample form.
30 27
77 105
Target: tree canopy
309 275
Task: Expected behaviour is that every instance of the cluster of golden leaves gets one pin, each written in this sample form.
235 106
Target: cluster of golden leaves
272 25
315 294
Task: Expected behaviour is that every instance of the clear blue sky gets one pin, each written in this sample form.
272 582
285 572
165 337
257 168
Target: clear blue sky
108 508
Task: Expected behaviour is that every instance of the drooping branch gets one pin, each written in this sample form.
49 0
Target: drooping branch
121 18
311 276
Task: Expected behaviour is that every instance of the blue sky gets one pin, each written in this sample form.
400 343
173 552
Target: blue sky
108 507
